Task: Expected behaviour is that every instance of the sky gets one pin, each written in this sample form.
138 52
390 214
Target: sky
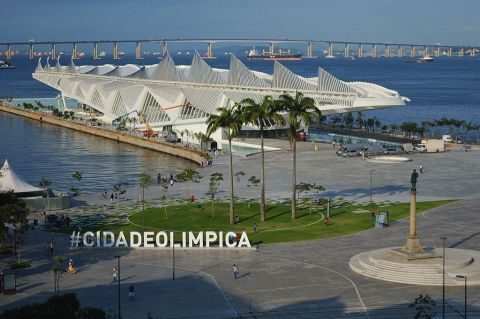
427 21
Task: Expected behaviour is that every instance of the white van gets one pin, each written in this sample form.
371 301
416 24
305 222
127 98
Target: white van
447 139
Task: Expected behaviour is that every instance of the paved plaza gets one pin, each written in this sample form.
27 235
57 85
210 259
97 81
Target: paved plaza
295 280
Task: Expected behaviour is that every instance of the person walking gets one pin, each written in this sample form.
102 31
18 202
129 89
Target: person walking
235 271
131 293
114 273
421 168
254 227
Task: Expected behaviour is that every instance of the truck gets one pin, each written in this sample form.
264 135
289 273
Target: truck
408 147
431 146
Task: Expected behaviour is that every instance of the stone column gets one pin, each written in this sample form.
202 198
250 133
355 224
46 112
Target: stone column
413 241
95 51
164 47
138 50
53 52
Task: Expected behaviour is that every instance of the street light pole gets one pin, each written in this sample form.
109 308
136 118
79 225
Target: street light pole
173 245
464 277
443 273
371 187
371 196
119 304
15 240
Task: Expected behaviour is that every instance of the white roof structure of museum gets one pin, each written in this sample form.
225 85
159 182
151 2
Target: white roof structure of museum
168 94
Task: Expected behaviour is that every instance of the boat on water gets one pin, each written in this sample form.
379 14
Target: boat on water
253 54
426 58
102 54
6 65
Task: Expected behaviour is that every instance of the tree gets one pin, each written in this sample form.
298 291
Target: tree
13 210
262 115
427 125
424 307
231 121
65 306
145 180
359 120
215 180
78 176
348 120
238 175
300 110
188 176
44 183
59 270
469 127
458 124
308 187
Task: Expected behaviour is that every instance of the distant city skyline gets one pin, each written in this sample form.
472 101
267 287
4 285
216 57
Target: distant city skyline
442 21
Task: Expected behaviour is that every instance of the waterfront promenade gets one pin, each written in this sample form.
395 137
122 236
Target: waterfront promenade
103 132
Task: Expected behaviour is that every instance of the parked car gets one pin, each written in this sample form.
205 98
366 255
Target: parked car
171 137
347 148
351 153
392 150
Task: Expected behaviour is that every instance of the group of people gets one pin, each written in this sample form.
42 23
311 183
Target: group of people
208 164
113 195
165 179
131 288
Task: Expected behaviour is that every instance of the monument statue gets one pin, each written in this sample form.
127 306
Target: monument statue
413 180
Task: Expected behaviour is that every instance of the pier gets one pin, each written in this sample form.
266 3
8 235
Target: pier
345 48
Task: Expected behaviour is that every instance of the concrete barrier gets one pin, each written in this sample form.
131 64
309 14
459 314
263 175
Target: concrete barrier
189 154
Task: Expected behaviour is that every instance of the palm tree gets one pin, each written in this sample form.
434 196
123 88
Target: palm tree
299 109
458 124
261 114
231 120
145 180
44 183
78 176
468 127
359 120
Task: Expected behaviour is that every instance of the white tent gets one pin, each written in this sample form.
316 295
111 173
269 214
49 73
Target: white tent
11 181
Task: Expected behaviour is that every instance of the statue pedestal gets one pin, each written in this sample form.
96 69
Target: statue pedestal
413 249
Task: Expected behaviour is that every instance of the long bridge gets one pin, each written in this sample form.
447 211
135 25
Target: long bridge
360 49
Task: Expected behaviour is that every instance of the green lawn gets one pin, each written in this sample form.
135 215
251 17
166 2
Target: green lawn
345 218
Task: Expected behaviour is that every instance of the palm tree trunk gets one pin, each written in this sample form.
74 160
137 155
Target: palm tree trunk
232 219
294 179
262 187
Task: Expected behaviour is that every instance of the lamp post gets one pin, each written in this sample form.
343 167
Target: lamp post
371 196
119 304
464 277
443 273
173 245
